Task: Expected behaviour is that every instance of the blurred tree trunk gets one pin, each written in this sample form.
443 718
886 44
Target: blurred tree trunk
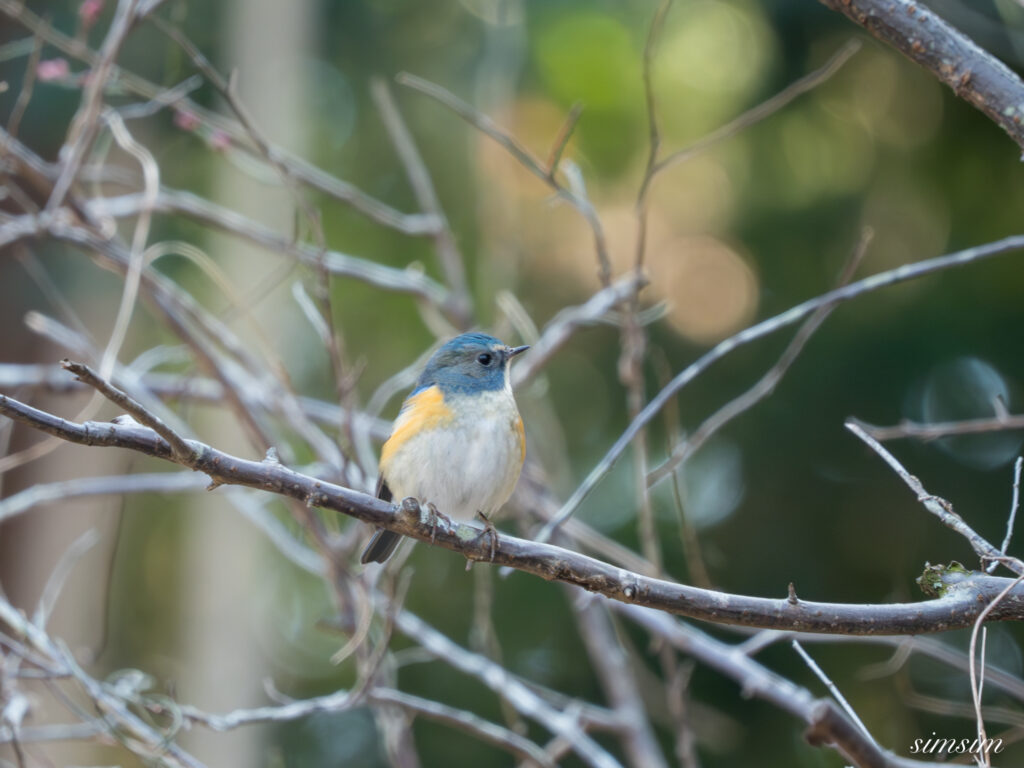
264 40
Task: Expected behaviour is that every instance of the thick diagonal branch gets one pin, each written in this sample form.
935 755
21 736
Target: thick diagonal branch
974 74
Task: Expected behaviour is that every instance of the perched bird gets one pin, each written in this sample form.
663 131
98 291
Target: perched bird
458 442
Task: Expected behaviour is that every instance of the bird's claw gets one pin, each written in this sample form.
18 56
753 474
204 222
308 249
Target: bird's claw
490 531
433 518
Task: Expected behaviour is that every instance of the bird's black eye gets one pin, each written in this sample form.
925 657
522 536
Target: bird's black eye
484 358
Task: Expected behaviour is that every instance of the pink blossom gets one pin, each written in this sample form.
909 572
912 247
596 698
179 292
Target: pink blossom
89 11
219 140
52 69
187 121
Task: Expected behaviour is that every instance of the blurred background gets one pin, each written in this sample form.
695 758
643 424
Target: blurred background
184 588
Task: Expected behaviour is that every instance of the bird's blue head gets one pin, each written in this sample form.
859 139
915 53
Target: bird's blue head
472 362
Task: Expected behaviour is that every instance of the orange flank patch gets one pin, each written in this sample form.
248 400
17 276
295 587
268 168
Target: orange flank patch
423 411
522 439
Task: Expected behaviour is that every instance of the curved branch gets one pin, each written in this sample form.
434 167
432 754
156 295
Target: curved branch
964 595
340 701
907 429
183 203
974 74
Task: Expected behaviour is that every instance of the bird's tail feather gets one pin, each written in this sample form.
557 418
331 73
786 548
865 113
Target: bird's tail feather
381 546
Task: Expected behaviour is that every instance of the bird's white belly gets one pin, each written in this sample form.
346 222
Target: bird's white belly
465 467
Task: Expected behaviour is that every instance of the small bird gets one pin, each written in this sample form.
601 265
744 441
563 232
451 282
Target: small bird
458 442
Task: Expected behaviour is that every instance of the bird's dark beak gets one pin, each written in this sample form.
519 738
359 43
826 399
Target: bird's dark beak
513 351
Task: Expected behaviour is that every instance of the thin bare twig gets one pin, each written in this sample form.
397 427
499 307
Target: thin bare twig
943 706
833 689
57 732
180 448
939 507
168 98
562 139
696 567
932 431
540 502
977 680
27 85
343 700
677 697
1014 505
114 485
130 293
